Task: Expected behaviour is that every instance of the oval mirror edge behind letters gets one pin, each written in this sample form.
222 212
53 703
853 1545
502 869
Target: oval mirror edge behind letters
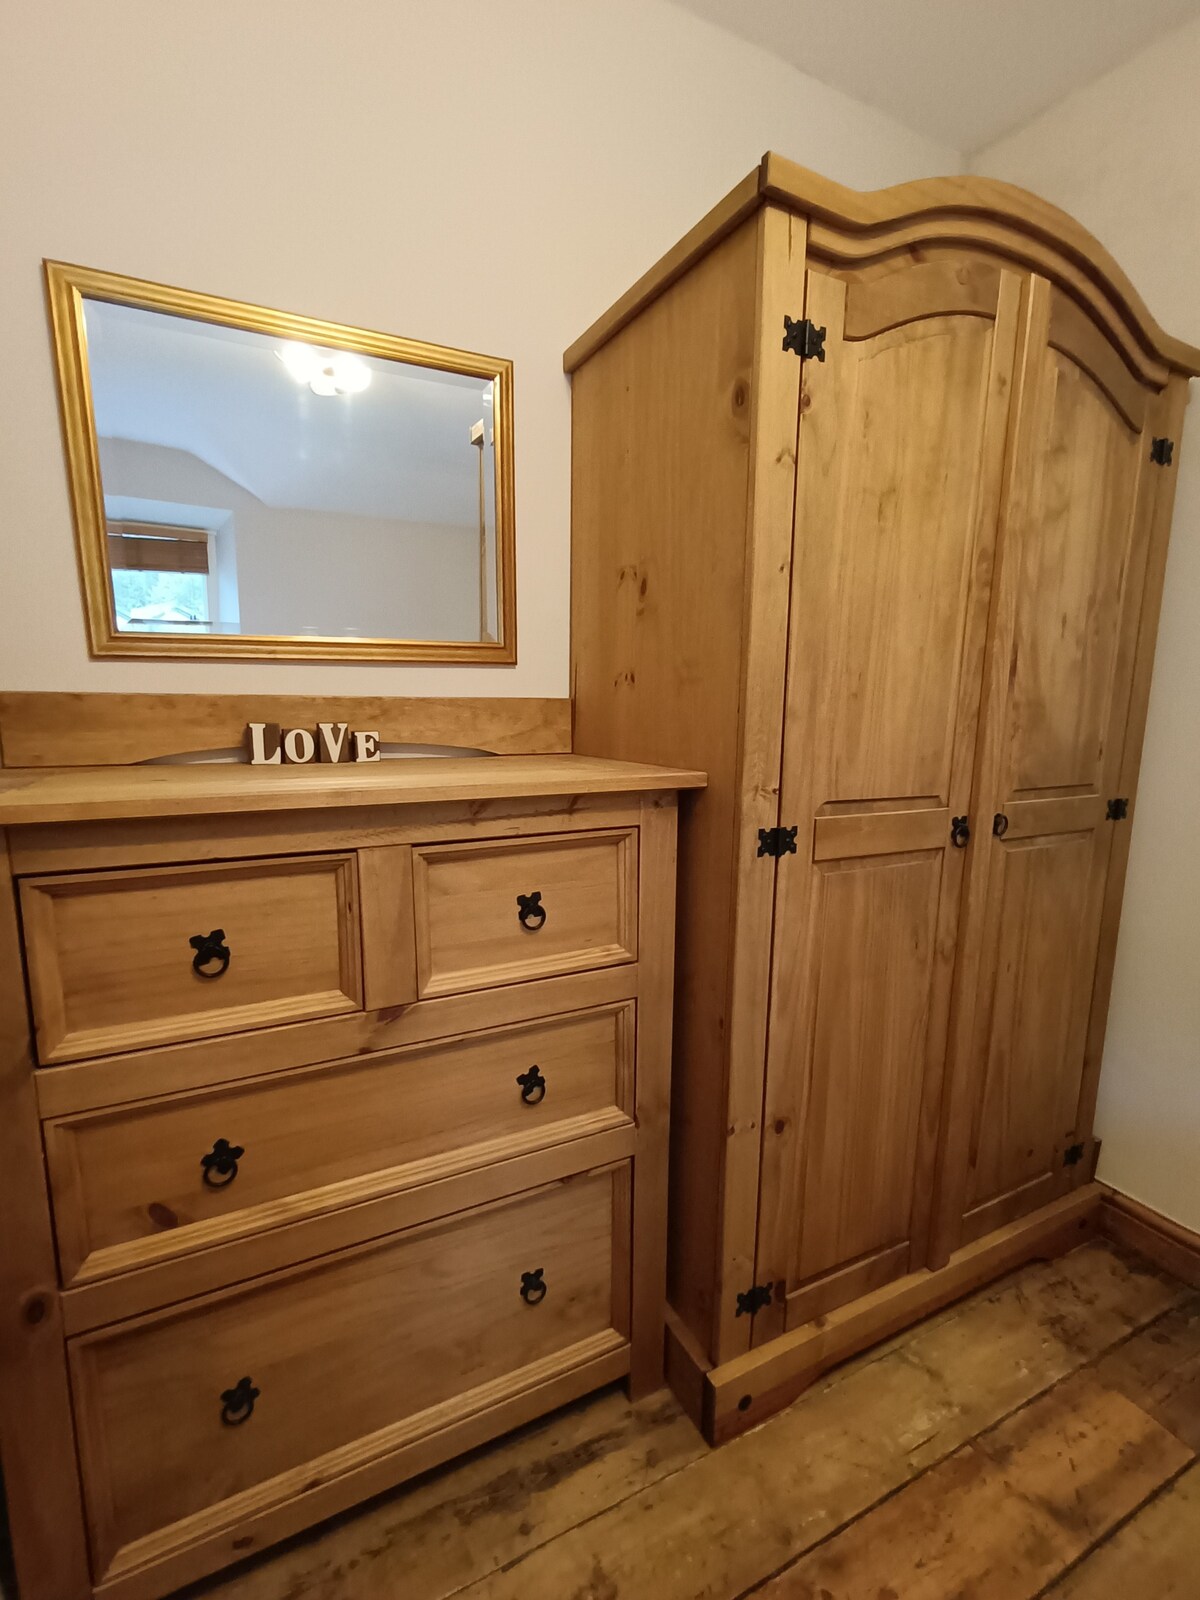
71 288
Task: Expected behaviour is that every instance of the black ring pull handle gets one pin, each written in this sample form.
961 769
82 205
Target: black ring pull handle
221 1164
209 947
531 913
960 832
999 825
533 1287
533 1086
237 1404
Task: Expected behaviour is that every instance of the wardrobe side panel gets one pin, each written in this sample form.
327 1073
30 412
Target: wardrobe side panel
660 475
1167 418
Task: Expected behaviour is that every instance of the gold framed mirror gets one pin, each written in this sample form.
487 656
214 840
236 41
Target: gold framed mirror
249 482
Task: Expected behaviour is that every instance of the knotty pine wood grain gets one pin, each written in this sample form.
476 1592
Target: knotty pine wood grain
487 1512
111 964
718 1523
79 730
900 462
1015 223
126 1181
1074 542
355 1357
90 1085
466 898
775 408
159 791
1168 418
662 468
37 1451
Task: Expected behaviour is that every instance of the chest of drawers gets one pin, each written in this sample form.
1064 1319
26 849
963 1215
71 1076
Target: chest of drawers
334 1111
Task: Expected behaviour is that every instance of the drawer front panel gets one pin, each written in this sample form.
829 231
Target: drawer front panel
340 1353
146 1181
122 960
509 910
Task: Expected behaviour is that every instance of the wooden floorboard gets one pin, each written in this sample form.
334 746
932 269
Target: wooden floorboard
1159 1368
1156 1556
1083 1371
1008 1512
438 1535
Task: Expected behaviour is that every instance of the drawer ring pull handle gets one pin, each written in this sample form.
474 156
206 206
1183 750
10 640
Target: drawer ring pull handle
237 1404
531 913
533 1286
533 1086
960 832
221 1164
209 947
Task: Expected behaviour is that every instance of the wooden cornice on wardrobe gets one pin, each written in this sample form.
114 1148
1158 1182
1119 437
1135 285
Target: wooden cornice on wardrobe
850 224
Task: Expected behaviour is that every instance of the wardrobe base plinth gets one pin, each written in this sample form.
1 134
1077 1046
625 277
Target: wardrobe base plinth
741 1393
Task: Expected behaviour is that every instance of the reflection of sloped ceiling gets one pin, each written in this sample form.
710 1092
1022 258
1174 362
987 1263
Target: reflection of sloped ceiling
401 448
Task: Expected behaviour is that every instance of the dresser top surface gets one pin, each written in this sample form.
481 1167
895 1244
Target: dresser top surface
92 793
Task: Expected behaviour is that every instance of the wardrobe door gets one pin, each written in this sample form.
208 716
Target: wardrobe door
1072 563
900 453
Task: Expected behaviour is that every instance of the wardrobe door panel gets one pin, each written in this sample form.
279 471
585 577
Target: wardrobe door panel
900 448
1071 583
904 563
1026 1112
1072 565
879 915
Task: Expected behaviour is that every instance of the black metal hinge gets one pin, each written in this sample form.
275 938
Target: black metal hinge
754 1299
777 841
1117 811
1161 451
806 341
1073 1155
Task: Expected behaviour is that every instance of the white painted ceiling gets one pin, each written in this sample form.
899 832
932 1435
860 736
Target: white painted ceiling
961 71
400 449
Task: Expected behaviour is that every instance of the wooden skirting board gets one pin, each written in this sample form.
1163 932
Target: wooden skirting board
727 1400
1169 1244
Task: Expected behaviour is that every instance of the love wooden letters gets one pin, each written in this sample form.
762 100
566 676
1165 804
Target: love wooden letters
269 745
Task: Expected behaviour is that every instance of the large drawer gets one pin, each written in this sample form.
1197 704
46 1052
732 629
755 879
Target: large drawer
121 960
155 1178
508 910
199 1418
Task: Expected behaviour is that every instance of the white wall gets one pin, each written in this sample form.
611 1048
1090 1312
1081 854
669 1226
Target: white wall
490 174
1123 155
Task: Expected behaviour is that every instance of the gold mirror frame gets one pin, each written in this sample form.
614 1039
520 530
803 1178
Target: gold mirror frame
68 286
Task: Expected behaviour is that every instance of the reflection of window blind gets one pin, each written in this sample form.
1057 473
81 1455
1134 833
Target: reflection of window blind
154 547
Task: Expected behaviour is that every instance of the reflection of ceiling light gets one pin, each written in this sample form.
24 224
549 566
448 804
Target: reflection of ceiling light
324 371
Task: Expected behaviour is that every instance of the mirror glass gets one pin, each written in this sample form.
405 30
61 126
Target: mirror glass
291 494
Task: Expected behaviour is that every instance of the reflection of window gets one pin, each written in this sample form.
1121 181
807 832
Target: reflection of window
159 576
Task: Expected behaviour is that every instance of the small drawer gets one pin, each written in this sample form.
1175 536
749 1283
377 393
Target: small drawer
122 960
157 1178
196 1419
509 910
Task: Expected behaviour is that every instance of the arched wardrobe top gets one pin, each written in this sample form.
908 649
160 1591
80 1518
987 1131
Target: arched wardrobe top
849 228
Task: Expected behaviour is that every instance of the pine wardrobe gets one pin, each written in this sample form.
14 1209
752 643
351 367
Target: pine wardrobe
871 499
